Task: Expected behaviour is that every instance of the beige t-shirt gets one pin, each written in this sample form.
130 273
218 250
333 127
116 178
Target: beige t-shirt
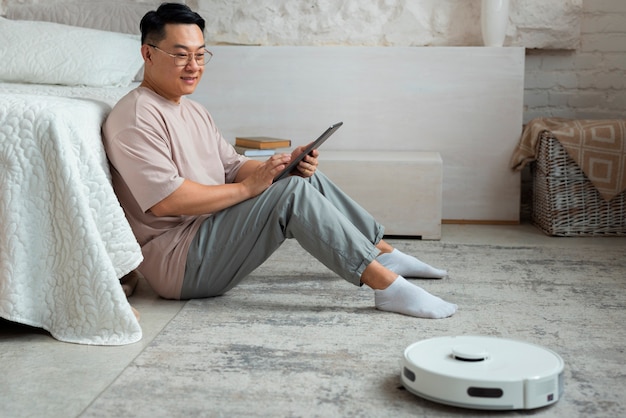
154 144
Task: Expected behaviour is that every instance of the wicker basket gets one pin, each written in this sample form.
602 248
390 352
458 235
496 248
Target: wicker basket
565 202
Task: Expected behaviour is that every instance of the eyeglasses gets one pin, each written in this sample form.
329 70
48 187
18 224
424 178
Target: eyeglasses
183 58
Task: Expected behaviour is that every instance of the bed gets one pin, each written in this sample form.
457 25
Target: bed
64 241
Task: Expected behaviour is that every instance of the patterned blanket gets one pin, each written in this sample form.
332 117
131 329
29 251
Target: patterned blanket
64 240
597 146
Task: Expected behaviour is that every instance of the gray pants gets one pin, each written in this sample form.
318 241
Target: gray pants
325 221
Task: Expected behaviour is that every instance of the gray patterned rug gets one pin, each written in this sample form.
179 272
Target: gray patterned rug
295 341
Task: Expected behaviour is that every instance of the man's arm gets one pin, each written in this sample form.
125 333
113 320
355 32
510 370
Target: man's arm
193 198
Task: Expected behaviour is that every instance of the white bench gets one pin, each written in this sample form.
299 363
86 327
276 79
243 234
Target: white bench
402 189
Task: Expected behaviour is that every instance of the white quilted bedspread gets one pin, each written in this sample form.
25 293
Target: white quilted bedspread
64 240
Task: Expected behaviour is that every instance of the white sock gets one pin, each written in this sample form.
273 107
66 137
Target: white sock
406 298
409 266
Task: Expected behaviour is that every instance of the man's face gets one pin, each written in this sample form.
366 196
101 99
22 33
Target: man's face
162 74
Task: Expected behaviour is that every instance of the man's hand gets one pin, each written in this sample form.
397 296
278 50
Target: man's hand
260 176
306 167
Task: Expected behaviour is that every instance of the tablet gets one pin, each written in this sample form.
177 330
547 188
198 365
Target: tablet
314 145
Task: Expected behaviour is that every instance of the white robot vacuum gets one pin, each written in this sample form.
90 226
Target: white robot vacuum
483 373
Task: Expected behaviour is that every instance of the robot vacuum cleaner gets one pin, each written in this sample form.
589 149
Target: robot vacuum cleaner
483 373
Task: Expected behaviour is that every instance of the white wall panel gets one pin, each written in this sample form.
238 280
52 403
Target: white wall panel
463 102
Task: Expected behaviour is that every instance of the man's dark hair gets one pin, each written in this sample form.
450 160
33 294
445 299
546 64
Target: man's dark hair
152 25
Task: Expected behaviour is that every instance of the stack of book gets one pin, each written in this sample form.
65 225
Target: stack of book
259 146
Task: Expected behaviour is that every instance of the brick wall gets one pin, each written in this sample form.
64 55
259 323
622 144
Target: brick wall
589 82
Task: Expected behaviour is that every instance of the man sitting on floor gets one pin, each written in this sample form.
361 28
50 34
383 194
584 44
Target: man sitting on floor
206 217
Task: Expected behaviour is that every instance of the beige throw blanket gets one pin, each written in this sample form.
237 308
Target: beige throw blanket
597 146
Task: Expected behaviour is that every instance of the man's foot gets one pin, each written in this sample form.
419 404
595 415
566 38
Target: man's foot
406 298
136 313
129 283
408 266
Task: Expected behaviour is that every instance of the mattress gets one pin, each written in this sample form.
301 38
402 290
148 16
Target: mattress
107 95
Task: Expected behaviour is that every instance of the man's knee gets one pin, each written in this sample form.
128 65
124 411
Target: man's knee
293 190
292 183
